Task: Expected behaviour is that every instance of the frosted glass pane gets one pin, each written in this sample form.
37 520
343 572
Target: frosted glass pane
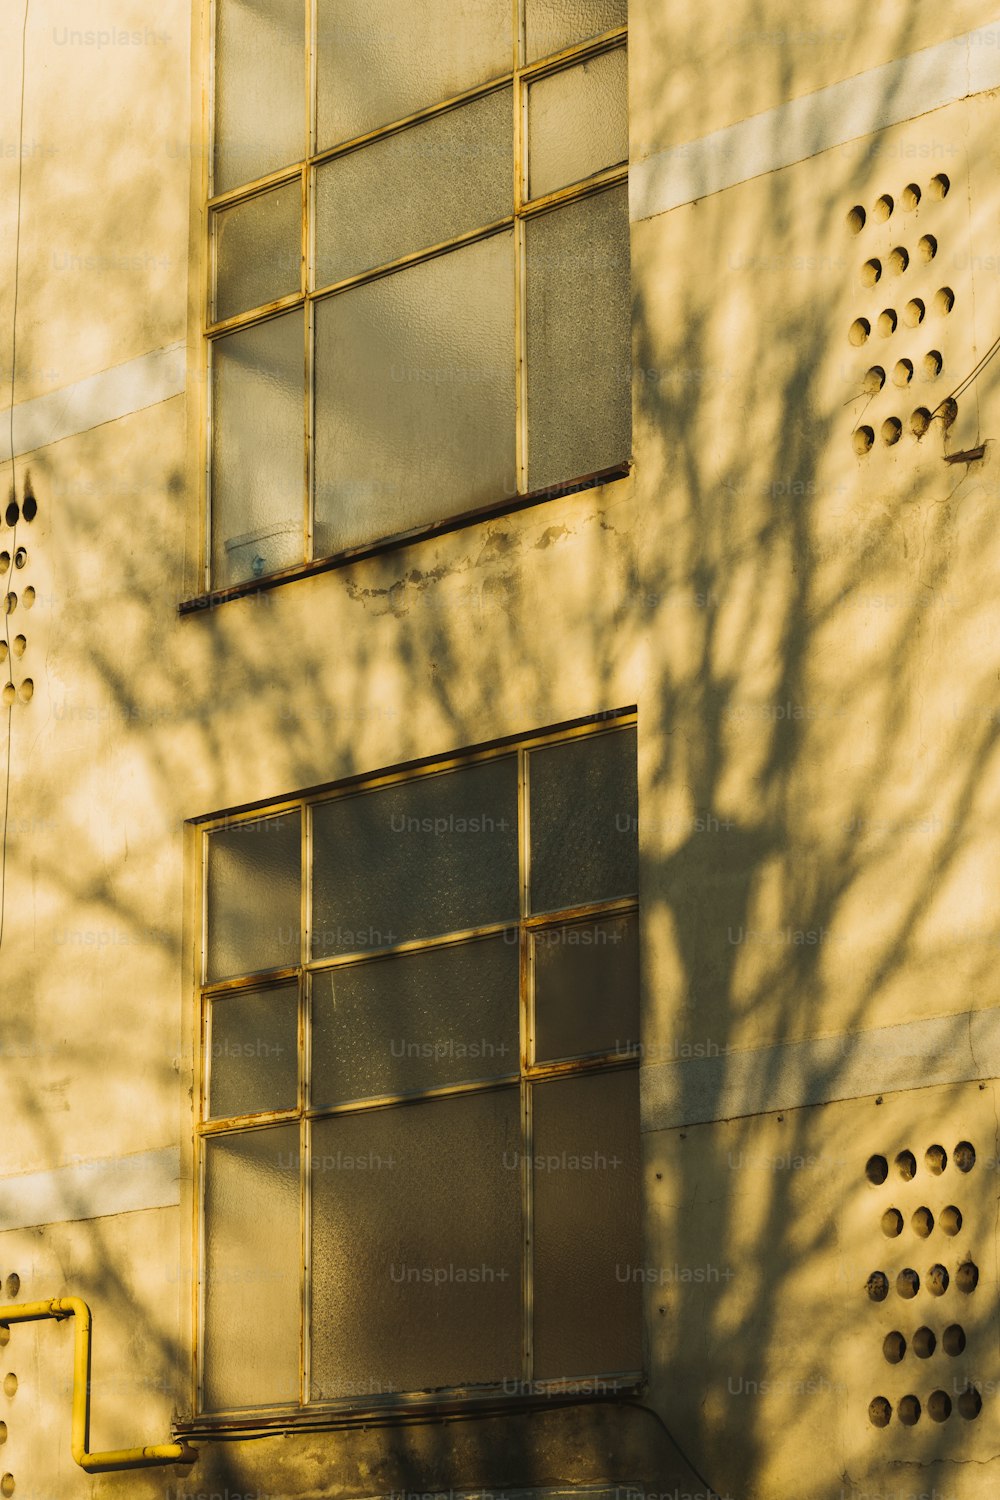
419 1021
416 860
416 1244
415 400
258 441
417 188
253 897
380 60
584 821
578 122
579 339
258 250
253 1052
588 1233
586 988
251 1273
555 24
260 113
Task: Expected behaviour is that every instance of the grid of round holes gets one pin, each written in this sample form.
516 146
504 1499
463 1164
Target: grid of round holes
924 1342
13 558
11 1286
895 264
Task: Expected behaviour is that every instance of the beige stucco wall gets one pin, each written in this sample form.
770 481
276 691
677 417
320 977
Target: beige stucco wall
808 635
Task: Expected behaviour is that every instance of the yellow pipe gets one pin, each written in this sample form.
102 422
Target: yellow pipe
94 1463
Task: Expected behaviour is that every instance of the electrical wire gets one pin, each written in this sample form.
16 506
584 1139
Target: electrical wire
13 472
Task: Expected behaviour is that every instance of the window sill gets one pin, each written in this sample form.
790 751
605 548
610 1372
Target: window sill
530 1396
255 586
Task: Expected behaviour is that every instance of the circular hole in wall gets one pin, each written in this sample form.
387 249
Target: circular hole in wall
887 322
948 411
967 1277
871 271
20 557
13 1284
891 429
879 1412
27 690
937 1280
3 1432
876 1169
856 219
892 1223
874 380
878 1286
964 1156
939 1406
924 1343
907 1283
9 693
12 513
909 1411
863 439
920 420
903 372
3 650
10 604
950 1219
944 301
4 561
953 1340
899 259
939 186
911 196
19 645
923 1222
29 597
927 247
913 312
906 1165
859 331
883 208
932 364
970 1404
935 1160
894 1347
9 1384
30 508
7 1486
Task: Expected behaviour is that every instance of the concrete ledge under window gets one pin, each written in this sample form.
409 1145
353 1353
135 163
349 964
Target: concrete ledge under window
402 539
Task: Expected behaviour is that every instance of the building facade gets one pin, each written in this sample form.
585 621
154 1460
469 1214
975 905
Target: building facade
500 696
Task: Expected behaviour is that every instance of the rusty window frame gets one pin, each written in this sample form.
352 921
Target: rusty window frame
518 79
530 1390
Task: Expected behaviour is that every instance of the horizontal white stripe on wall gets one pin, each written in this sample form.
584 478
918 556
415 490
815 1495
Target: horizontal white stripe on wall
113 393
913 1055
92 1189
887 95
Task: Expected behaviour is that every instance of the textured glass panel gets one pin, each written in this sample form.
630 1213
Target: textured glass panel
586 988
417 188
584 821
251 1272
259 89
416 1244
253 897
380 60
258 249
415 396
258 440
254 1052
416 860
587 1229
578 122
555 24
579 332
422 1020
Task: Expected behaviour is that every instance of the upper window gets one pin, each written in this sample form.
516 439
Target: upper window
419 295
419 1134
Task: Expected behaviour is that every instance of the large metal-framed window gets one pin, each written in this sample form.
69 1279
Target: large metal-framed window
417 1141
418 299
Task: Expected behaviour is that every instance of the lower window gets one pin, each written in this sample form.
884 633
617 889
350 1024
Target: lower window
419 1139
